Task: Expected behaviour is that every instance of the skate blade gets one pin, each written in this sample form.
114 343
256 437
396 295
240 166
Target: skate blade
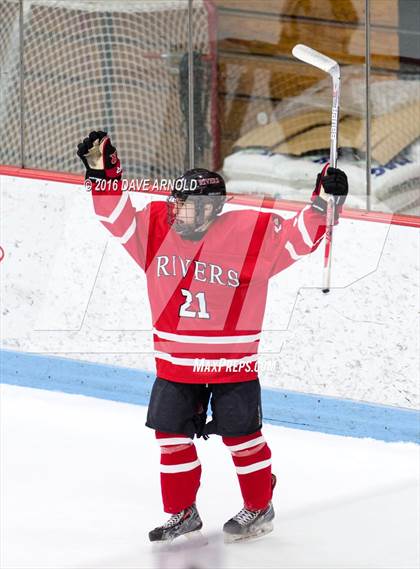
192 539
236 538
196 538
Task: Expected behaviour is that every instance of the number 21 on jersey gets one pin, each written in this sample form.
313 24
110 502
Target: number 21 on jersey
185 309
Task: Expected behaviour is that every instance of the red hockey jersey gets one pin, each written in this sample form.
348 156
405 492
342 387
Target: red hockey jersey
208 297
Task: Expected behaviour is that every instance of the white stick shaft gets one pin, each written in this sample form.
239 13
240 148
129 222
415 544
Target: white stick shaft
321 61
326 277
334 121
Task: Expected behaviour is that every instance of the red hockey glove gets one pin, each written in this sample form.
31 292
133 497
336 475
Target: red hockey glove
99 157
334 183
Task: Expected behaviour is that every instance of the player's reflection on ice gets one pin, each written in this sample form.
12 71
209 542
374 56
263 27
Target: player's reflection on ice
201 551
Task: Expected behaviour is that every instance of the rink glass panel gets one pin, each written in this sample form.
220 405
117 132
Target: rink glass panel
275 111
258 115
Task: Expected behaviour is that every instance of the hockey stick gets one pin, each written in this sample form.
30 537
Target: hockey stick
325 63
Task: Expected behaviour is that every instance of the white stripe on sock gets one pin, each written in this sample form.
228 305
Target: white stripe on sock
253 467
247 444
173 468
174 441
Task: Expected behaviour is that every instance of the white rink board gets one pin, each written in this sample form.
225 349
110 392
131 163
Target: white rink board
69 289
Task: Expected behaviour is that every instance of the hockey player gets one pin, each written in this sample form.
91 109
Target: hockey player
207 276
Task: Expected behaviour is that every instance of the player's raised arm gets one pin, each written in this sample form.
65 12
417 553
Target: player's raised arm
112 205
296 237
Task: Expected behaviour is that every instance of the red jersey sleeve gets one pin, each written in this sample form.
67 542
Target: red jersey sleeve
287 240
129 227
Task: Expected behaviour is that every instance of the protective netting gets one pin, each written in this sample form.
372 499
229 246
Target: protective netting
10 100
115 66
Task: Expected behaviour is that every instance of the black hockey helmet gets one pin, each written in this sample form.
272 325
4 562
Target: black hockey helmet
201 187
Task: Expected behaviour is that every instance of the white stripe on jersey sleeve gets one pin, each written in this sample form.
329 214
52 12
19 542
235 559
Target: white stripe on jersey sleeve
292 251
113 216
302 228
128 234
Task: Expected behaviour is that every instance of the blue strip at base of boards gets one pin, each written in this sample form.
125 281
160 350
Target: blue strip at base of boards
285 408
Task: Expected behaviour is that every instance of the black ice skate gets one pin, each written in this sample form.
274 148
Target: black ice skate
186 522
248 524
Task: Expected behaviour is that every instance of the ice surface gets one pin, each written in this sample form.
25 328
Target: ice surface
80 489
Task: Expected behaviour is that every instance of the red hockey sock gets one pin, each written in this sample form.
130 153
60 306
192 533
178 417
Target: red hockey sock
252 459
180 471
